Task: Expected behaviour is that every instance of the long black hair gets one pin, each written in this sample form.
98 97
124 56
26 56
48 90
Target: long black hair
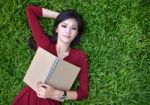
60 18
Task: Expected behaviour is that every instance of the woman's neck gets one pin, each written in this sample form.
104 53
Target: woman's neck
62 50
62 47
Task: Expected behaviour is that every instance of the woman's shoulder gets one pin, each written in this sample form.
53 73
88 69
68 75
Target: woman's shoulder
78 57
78 52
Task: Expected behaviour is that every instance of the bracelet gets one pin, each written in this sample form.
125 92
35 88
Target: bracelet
64 96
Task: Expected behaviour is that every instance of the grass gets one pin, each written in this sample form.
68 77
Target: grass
116 40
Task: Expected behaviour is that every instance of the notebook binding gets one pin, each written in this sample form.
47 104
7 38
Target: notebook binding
51 70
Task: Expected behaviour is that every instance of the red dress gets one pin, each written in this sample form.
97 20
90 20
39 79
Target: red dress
77 57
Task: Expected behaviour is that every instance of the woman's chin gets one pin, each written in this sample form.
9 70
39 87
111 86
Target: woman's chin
66 40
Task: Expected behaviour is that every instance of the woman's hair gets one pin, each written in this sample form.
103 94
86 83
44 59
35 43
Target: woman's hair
67 14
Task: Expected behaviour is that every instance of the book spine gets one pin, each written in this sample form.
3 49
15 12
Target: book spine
51 70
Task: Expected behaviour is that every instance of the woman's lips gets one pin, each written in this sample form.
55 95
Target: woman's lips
66 36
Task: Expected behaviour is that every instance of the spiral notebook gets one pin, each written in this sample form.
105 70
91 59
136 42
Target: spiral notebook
48 68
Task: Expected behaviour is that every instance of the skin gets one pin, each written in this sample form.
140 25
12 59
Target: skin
67 30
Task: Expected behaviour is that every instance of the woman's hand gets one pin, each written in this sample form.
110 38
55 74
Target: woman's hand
49 13
46 91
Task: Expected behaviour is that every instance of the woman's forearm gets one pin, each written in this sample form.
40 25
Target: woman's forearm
71 95
49 13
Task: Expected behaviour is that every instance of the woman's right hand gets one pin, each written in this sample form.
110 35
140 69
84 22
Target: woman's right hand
49 13
45 90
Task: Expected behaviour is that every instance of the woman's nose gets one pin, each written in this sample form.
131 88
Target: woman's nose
68 30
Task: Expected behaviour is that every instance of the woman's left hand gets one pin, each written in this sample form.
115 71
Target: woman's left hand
45 91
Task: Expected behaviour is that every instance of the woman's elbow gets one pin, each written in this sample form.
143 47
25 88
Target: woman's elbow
82 94
28 9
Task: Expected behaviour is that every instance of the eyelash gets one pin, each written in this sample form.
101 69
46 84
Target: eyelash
64 26
74 28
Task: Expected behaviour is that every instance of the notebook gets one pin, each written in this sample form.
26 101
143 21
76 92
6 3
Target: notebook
48 68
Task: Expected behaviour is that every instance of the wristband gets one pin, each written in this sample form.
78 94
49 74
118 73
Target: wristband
64 96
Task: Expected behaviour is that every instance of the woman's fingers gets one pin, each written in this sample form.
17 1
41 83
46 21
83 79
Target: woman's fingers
41 84
44 85
45 90
42 90
40 95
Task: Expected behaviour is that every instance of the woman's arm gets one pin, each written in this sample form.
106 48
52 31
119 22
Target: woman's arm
33 13
47 91
49 13
81 93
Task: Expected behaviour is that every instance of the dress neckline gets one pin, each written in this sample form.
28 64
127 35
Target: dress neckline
65 58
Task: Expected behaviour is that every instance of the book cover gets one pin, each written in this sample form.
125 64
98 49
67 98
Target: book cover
48 68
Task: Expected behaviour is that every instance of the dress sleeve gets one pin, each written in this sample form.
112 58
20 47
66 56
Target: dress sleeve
40 37
82 91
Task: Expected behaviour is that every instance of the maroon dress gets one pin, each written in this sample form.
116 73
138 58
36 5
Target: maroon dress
77 57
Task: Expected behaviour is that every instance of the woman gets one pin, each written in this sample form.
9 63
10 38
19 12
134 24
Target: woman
67 29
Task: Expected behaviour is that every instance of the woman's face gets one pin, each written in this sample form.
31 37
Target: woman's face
67 30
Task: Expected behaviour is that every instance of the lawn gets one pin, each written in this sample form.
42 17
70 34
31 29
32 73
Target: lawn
116 41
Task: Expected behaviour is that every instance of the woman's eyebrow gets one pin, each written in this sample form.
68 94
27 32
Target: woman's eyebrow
67 24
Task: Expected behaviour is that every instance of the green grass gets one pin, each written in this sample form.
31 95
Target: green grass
116 40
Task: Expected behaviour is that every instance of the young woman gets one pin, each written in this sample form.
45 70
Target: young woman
67 30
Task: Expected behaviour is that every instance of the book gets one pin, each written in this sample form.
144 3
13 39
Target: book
48 68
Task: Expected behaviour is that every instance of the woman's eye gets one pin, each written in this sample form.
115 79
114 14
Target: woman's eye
74 28
64 26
